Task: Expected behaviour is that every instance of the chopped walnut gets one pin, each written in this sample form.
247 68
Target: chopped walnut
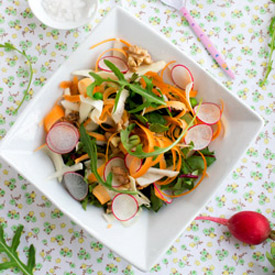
73 116
138 56
109 208
120 174
108 135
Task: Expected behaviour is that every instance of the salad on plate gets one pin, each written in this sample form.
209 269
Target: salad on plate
130 133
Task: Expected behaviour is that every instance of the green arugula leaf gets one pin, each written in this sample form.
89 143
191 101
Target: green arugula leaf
141 118
115 70
187 117
91 149
12 254
156 203
134 77
7 265
158 128
98 81
9 47
31 260
155 117
151 97
16 238
272 48
188 149
140 107
90 198
148 82
180 185
271 258
117 97
109 179
195 162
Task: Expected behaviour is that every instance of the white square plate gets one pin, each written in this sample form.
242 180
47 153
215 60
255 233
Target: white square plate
143 243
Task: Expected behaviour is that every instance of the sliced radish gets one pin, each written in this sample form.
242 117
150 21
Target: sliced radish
166 199
181 76
130 160
200 135
75 185
62 137
115 161
117 61
209 113
124 207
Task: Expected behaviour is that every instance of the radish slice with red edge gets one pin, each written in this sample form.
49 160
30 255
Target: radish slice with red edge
132 160
181 76
209 113
75 185
62 137
117 61
115 161
167 200
124 207
200 135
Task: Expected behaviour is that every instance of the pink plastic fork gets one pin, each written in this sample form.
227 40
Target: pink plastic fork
181 6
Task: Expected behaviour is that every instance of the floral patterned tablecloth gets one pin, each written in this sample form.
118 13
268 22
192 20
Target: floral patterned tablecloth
239 29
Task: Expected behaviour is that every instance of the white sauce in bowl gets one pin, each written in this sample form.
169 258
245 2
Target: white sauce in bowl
67 10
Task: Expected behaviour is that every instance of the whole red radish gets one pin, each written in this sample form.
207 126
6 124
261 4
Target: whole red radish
247 226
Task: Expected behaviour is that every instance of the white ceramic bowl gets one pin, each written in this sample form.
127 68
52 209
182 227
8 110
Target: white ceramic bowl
39 11
143 243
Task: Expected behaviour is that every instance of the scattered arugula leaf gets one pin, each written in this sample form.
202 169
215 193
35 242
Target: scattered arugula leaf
91 149
195 162
186 150
12 254
9 47
117 97
272 48
141 118
271 256
180 185
139 108
187 117
134 77
155 117
97 82
158 128
90 198
156 203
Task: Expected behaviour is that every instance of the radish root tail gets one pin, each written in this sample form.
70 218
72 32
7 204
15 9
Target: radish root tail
213 219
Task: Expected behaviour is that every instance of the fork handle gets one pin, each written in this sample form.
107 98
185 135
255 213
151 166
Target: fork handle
206 42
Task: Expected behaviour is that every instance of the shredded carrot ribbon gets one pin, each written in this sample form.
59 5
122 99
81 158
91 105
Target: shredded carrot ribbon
72 98
53 116
217 130
108 144
109 40
165 67
65 84
97 136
